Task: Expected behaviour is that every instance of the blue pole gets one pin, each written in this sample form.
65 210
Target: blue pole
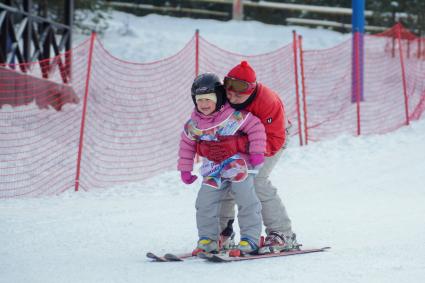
358 15
358 22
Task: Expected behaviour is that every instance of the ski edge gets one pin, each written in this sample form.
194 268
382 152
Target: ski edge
178 257
169 257
156 257
220 258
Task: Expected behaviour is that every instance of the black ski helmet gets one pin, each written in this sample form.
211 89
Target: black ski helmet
209 83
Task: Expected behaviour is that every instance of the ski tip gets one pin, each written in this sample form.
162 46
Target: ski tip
172 257
307 250
155 257
150 255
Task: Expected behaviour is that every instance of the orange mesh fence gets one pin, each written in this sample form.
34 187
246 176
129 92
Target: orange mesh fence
410 51
135 114
88 120
329 110
391 80
38 144
274 69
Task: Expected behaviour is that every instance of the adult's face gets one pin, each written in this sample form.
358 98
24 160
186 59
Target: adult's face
235 97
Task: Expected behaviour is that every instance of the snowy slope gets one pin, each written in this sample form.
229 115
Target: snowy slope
362 196
153 37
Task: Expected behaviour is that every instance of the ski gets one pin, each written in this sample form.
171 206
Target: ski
155 257
207 256
178 257
169 257
226 258
226 239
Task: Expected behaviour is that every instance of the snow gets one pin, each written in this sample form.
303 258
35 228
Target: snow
363 196
153 37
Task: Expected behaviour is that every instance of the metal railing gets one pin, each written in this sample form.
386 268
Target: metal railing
26 38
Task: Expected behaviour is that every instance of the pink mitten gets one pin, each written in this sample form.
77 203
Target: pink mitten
187 177
256 159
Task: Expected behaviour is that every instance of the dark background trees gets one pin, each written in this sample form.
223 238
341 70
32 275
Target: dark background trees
92 14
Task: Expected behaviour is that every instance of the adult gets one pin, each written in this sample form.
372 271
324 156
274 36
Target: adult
245 93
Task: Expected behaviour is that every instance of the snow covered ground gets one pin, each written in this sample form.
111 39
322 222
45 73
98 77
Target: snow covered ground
363 196
153 37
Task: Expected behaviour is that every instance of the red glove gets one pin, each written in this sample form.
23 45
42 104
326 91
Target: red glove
227 146
187 177
256 159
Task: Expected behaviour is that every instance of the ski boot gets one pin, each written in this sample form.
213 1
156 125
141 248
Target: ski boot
227 237
206 245
277 242
246 247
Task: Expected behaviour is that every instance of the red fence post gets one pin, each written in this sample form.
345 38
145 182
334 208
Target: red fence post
294 40
237 11
403 74
83 115
300 39
408 49
358 82
197 159
197 53
423 49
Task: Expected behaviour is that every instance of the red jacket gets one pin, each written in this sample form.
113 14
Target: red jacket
268 107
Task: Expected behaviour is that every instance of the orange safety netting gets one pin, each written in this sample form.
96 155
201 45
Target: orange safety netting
114 122
393 86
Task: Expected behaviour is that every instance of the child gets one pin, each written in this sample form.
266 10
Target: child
214 120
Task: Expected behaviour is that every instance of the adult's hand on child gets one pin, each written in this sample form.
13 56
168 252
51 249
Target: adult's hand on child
187 177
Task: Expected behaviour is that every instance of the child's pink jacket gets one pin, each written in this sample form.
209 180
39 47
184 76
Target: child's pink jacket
251 126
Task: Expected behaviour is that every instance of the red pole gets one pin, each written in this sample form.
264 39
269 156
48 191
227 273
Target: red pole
408 48
423 49
197 53
83 118
237 12
297 93
403 74
358 80
421 52
197 159
300 39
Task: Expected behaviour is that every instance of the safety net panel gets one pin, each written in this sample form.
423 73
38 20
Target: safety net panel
40 113
274 69
413 53
134 118
87 120
327 89
393 82
415 74
391 95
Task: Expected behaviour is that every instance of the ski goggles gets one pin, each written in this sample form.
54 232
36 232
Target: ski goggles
239 86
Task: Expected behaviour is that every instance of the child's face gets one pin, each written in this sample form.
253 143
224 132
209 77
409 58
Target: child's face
205 106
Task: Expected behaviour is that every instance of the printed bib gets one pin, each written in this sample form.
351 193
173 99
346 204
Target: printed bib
232 169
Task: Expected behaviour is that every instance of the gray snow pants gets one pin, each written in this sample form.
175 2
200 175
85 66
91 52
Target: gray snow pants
273 211
249 209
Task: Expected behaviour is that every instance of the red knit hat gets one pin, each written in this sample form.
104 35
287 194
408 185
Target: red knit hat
244 72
